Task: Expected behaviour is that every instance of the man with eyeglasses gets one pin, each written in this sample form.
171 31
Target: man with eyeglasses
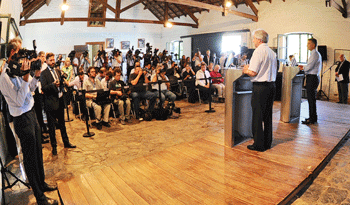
138 90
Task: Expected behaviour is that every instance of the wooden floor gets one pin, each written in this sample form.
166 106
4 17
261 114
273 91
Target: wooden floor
206 172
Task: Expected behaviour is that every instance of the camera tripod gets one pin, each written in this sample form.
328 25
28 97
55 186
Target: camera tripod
4 179
320 92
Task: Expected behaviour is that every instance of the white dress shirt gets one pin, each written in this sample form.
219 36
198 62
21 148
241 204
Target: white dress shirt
264 63
201 75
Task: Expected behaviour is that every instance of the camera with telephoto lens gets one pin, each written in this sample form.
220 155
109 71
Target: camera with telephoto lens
17 60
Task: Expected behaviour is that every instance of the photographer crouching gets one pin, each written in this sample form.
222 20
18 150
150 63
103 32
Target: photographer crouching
16 85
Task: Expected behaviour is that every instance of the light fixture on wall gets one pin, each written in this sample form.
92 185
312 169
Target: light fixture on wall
168 24
64 7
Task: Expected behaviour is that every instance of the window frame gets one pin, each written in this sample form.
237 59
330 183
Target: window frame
282 50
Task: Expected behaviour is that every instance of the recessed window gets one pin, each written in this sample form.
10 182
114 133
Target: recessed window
97 10
293 44
231 43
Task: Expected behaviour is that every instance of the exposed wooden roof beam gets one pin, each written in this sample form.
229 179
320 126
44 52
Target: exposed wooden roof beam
193 17
62 13
32 8
117 14
166 12
130 6
24 22
210 7
104 3
251 5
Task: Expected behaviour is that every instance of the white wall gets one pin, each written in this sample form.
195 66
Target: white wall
61 39
278 17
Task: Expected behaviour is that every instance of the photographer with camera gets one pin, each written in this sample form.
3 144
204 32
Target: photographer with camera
85 61
164 86
197 59
130 63
17 86
99 59
120 97
117 58
52 86
137 79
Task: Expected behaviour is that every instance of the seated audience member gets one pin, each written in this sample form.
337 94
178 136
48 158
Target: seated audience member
164 86
106 80
188 77
211 67
68 69
138 90
292 61
94 84
101 73
218 83
120 97
133 70
203 84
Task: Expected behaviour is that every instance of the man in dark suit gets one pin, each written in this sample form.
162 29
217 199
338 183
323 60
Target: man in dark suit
342 78
54 103
207 58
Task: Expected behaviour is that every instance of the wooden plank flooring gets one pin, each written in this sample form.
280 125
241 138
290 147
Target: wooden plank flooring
206 172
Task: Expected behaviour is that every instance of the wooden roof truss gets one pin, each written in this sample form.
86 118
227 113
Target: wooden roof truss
163 10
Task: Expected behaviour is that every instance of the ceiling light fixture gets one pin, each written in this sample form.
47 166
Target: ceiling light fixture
228 4
64 7
168 24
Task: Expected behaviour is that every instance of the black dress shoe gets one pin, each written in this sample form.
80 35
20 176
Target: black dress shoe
106 124
308 121
252 147
69 145
48 201
54 151
47 187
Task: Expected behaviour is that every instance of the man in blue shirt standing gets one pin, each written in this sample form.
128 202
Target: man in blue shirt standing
312 71
18 95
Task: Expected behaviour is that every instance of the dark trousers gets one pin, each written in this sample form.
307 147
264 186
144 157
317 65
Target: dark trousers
137 96
312 82
343 92
205 92
28 131
51 119
262 102
38 106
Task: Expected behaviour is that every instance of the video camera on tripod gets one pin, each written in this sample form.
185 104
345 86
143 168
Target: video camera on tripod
17 60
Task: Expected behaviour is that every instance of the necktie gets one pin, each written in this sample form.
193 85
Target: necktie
81 83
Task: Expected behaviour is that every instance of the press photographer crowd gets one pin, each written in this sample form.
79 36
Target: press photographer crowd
37 86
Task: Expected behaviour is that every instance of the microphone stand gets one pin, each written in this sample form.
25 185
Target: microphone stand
210 98
88 134
320 92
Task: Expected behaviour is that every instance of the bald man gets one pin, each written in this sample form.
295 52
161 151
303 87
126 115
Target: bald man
342 78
